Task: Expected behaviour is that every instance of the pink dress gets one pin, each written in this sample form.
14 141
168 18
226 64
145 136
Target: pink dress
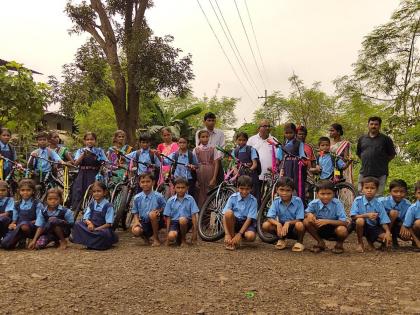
166 150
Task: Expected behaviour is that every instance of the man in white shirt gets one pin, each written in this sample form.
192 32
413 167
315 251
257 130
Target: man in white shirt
265 150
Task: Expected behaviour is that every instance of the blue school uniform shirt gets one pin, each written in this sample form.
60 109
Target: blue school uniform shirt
289 144
144 157
40 165
242 208
144 203
40 219
361 206
109 216
254 155
334 210
10 204
389 204
326 162
182 170
413 214
26 205
99 152
176 208
293 211
6 164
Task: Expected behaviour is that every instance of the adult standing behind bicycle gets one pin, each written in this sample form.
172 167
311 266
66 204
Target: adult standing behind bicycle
375 150
341 148
167 147
114 153
55 145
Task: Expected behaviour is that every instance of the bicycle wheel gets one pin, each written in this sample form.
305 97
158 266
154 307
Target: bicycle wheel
210 218
262 217
346 193
87 199
119 201
127 220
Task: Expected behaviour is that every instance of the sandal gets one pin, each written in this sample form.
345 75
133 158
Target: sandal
337 250
229 247
298 247
317 249
281 244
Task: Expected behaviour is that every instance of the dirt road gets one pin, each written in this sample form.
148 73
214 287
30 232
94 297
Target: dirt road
137 279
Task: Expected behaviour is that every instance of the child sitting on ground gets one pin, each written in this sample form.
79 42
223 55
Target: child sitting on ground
326 218
369 216
147 211
284 218
396 207
412 218
240 214
181 214
7 205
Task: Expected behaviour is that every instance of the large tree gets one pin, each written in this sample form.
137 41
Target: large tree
127 63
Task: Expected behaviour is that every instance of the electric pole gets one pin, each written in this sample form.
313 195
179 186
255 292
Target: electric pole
265 97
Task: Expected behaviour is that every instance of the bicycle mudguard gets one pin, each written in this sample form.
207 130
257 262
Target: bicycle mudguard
212 190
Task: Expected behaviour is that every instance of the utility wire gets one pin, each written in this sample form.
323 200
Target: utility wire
235 49
256 42
249 43
223 50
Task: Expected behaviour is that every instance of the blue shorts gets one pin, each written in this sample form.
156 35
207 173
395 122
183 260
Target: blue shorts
372 232
239 223
174 226
147 226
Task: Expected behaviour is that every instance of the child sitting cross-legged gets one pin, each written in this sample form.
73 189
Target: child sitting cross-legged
285 216
412 219
240 214
326 218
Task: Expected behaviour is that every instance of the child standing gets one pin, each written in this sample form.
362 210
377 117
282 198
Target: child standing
181 214
95 229
53 222
240 214
147 211
208 158
369 216
24 215
167 147
118 146
248 156
145 158
326 218
284 218
7 151
89 160
6 208
61 150
396 207
412 218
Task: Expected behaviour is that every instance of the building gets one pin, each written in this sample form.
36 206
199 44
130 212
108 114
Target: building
56 121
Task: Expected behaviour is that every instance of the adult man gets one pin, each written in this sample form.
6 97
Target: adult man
261 142
375 150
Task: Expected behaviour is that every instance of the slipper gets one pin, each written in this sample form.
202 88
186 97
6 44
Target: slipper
229 247
298 247
317 249
281 244
337 250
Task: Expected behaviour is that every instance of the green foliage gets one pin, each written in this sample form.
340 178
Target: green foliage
411 142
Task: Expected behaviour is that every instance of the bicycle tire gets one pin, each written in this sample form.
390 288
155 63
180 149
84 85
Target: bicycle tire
210 217
346 193
84 203
119 201
262 213
128 218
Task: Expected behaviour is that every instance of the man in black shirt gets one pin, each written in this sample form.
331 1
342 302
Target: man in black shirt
375 150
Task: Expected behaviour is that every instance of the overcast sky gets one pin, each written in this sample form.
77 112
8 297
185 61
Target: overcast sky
318 40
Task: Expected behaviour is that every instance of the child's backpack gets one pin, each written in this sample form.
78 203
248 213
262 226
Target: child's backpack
190 161
248 149
156 170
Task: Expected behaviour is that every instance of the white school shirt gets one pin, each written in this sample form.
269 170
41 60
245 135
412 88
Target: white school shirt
265 151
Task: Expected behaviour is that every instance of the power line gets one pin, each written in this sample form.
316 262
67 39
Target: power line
256 42
249 43
223 50
235 49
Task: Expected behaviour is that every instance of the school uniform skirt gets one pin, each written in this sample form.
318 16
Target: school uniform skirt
14 236
100 240
4 225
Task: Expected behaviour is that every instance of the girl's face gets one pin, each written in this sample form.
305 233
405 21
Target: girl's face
89 141
241 141
182 143
53 200
26 192
5 137
333 133
417 194
55 139
204 138
301 136
3 192
166 136
120 139
289 134
98 193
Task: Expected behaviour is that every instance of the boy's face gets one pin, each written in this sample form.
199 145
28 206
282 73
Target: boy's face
417 194
3 192
181 189
289 134
146 184
369 190
53 200
301 136
90 141
241 141
285 193
325 195
244 191
398 193
324 146
210 123
5 137
182 143
144 144
42 142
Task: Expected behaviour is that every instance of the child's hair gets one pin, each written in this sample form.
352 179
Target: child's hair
183 138
116 134
89 133
4 184
26 182
241 134
285 182
400 183
209 115
146 175
181 180
324 184
417 186
303 129
145 137
3 130
41 135
323 139
101 185
51 133
167 129
203 131
338 128
290 126
370 179
56 191
375 118
244 181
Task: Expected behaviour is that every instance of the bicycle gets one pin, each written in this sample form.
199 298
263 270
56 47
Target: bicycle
11 177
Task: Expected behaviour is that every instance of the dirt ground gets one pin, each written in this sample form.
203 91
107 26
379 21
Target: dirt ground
206 279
